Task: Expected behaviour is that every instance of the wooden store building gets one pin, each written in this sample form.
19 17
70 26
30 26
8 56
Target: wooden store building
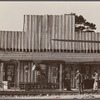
47 51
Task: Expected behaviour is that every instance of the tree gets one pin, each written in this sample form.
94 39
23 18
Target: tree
90 25
81 24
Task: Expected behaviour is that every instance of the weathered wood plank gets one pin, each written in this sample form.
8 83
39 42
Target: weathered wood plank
60 77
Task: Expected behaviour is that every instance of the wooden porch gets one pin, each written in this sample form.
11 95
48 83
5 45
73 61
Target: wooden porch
53 61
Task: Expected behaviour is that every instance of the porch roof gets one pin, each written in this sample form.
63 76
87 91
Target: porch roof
67 57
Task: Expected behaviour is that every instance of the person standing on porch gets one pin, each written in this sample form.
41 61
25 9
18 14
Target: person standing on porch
79 81
67 81
96 78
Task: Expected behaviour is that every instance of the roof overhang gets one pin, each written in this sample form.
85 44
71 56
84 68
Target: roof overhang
67 57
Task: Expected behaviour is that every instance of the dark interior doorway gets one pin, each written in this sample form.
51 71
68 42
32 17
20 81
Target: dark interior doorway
9 74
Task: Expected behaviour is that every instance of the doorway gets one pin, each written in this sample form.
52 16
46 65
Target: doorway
9 75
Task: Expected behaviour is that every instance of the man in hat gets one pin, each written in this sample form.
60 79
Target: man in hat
79 81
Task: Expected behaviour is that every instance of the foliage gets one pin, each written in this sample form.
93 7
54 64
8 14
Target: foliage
82 24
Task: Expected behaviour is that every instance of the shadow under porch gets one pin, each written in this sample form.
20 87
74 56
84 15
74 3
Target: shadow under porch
20 75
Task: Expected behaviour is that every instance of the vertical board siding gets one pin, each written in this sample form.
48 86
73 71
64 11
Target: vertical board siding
5 40
55 29
23 74
17 42
46 27
25 33
62 31
70 34
91 40
59 43
39 33
32 31
73 30
39 30
29 31
96 43
0 40
36 42
10 40
53 35
3 33
98 39
86 43
91 36
32 73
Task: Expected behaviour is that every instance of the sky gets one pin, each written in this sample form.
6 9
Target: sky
12 12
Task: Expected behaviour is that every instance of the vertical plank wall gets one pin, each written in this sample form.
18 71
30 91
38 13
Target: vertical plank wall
87 46
41 29
10 40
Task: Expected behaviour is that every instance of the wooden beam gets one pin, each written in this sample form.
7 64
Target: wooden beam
65 40
60 77
1 73
18 74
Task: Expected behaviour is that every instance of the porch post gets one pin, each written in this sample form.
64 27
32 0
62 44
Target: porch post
1 73
18 75
60 77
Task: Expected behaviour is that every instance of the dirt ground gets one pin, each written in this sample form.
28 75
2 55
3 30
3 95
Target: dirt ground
78 96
